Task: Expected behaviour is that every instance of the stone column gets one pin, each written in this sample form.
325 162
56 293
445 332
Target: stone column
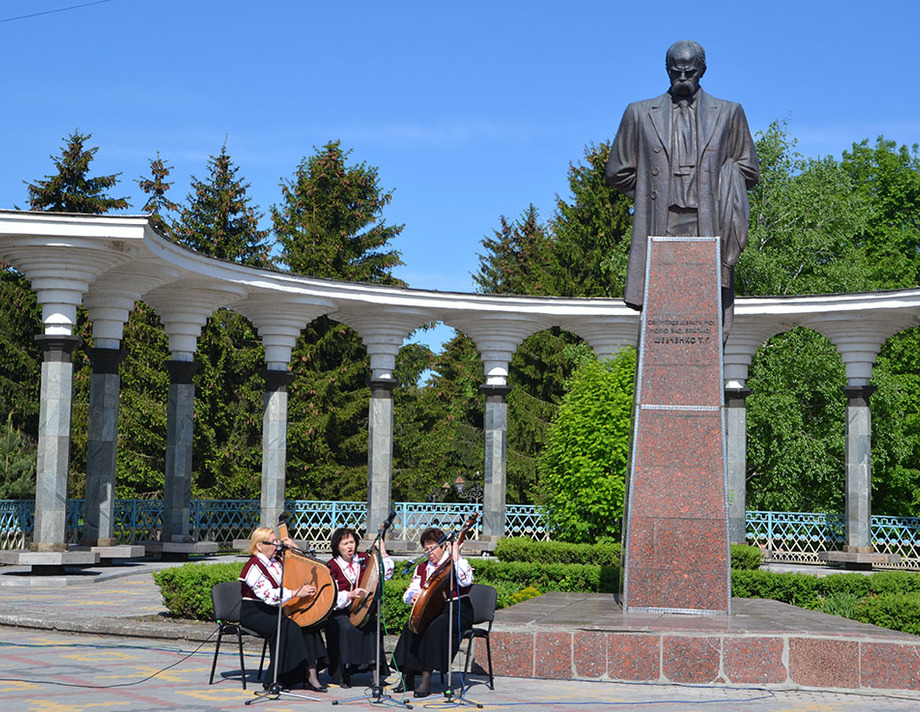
102 447
380 452
858 469
274 445
180 411
53 462
496 461
736 462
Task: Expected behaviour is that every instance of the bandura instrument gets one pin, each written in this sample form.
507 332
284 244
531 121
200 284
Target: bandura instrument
300 569
436 591
363 606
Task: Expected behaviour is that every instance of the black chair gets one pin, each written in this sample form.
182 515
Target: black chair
483 598
227 598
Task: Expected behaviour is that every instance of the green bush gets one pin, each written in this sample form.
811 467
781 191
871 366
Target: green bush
838 604
746 557
603 551
897 611
797 589
186 589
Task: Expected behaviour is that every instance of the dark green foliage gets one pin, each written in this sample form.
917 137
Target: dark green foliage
20 368
518 259
602 551
17 464
591 232
746 557
142 407
218 219
330 224
228 408
590 578
71 190
797 589
583 467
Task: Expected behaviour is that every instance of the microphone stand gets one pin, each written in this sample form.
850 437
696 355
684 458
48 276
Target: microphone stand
377 697
275 691
455 595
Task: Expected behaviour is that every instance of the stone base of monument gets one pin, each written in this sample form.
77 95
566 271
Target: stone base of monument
858 558
571 636
180 550
45 563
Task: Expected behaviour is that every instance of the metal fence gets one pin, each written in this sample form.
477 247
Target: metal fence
223 521
784 537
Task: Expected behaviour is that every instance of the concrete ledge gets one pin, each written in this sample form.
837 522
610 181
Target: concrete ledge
180 549
71 557
116 551
857 559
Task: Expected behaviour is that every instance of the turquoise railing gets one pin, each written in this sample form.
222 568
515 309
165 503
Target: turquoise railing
784 537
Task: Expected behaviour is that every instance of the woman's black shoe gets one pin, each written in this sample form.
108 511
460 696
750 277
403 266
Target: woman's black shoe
310 686
421 693
405 685
346 680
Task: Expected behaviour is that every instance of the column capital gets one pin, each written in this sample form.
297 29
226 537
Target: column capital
277 380
382 387
106 360
735 397
858 396
57 347
181 371
494 390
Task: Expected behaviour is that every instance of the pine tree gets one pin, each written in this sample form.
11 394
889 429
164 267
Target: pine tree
156 187
518 258
71 190
17 464
218 219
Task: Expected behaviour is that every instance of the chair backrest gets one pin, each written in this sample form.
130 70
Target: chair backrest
227 597
483 598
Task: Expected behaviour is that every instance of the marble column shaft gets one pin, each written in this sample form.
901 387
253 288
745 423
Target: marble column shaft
379 452
274 445
180 431
53 462
495 465
736 464
858 468
102 447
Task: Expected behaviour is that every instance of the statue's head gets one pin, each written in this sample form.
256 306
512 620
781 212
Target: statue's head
686 65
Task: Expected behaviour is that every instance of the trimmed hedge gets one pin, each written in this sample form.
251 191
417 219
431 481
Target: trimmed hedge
603 551
746 557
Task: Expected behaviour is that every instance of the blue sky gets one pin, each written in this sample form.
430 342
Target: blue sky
470 110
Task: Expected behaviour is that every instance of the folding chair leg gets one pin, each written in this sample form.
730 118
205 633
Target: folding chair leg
216 653
489 657
262 661
239 640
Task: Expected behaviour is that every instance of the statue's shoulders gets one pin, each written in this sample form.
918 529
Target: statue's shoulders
648 104
721 103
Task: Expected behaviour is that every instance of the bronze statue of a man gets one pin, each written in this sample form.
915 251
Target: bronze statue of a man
687 160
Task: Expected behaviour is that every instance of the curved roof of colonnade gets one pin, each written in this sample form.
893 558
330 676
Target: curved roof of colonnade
107 262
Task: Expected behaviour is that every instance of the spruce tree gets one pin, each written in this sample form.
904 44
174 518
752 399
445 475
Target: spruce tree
71 189
330 224
155 187
218 220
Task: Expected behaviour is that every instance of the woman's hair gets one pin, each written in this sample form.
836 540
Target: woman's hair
342 533
431 534
259 534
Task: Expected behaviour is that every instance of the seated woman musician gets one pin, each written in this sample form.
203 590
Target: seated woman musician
352 649
427 651
302 651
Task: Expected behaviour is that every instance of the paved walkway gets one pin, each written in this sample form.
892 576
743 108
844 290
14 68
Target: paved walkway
99 641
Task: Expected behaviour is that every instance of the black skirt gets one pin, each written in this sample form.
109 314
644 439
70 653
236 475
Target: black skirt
351 647
301 648
428 651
